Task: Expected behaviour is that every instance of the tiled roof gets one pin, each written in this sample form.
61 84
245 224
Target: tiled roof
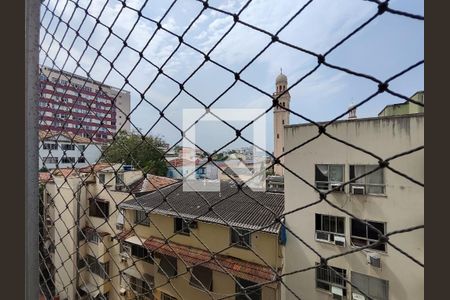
97 167
179 162
151 183
46 134
241 208
193 256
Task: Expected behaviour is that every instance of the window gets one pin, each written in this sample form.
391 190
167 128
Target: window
375 288
81 159
201 277
50 146
67 146
81 263
167 297
168 265
142 288
373 182
119 179
101 178
96 267
51 160
141 252
141 217
326 175
330 278
68 160
240 237
181 226
252 293
92 236
329 227
363 235
98 208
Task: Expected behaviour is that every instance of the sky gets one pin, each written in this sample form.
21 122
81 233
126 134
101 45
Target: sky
385 47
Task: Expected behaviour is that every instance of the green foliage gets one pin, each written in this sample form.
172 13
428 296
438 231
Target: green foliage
144 153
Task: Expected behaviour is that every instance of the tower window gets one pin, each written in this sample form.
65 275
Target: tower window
278 136
282 122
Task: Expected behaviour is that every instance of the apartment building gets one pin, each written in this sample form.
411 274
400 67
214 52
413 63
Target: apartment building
184 267
65 150
384 199
81 106
81 221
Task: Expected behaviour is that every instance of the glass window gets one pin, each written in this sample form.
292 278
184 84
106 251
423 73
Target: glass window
246 291
141 252
362 234
328 277
373 182
201 277
98 208
168 265
375 288
181 226
325 175
240 237
141 218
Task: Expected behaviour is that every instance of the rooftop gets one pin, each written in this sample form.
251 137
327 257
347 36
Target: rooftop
47 134
240 208
357 120
222 263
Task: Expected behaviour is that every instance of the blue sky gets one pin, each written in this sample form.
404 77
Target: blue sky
386 46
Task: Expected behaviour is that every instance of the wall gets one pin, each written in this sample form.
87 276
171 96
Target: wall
401 207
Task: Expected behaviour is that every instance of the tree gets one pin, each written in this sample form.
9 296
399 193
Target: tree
144 153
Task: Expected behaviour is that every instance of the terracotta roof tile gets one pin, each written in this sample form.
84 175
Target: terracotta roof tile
45 134
193 256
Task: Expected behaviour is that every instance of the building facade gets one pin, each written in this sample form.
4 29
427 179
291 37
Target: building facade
280 119
81 106
384 199
406 107
65 150
75 202
184 267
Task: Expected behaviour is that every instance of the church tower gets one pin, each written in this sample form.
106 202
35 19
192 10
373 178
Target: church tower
280 119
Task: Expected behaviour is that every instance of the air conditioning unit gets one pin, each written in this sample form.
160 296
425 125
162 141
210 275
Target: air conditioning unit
374 259
356 296
358 190
339 240
124 256
322 236
335 185
337 291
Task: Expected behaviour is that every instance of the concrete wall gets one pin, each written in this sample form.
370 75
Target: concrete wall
401 207
123 104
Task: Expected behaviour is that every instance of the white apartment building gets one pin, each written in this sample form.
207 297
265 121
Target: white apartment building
385 199
64 150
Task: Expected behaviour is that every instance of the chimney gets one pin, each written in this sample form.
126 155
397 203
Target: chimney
352 112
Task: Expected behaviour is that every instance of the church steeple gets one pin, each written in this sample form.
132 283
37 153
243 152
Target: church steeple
280 117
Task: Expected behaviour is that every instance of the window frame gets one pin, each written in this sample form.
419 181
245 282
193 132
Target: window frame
329 231
173 263
165 296
329 182
365 184
185 229
138 220
97 206
331 283
194 280
96 267
141 288
386 284
241 239
140 252
100 176
366 238
246 283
